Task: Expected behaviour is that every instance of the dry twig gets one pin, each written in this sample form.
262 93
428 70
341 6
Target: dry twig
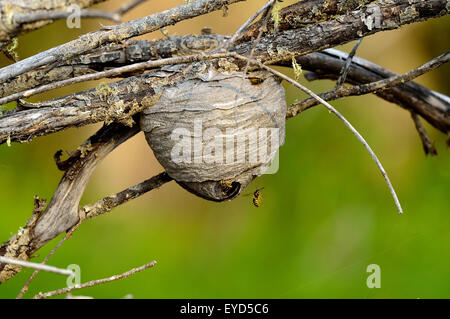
51 253
427 143
250 20
348 63
94 282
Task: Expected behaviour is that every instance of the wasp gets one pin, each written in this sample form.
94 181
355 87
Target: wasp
257 197
226 185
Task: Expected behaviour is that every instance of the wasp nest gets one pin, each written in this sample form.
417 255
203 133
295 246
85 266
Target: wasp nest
216 133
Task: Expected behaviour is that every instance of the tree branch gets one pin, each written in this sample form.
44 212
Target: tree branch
113 73
94 282
427 143
109 56
117 101
377 17
62 212
21 18
301 14
433 107
106 204
118 33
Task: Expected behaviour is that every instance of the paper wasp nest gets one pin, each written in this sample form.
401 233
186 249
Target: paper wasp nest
218 132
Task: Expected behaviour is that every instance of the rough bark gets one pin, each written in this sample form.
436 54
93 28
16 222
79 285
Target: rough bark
377 17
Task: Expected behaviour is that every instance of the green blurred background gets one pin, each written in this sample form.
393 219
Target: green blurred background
326 215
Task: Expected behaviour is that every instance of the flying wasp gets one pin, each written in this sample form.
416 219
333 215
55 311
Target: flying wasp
257 197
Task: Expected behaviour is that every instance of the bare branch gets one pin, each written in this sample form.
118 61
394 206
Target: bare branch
430 105
108 56
112 73
340 92
108 203
118 33
103 206
427 143
377 17
95 282
301 14
265 18
348 63
116 101
250 20
58 15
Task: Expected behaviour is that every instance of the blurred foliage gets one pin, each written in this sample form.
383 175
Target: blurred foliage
325 216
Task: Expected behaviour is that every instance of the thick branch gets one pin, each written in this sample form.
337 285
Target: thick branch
301 14
112 56
433 107
380 16
88 107
114 102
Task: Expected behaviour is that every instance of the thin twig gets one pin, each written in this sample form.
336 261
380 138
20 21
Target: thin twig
94 282
106 204
67 236
28 264
427 142
129 6
343 119
58 15
263 28
348 63
252 18
342 91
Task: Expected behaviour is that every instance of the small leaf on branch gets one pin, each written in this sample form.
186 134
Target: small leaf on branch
297 69
276 15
